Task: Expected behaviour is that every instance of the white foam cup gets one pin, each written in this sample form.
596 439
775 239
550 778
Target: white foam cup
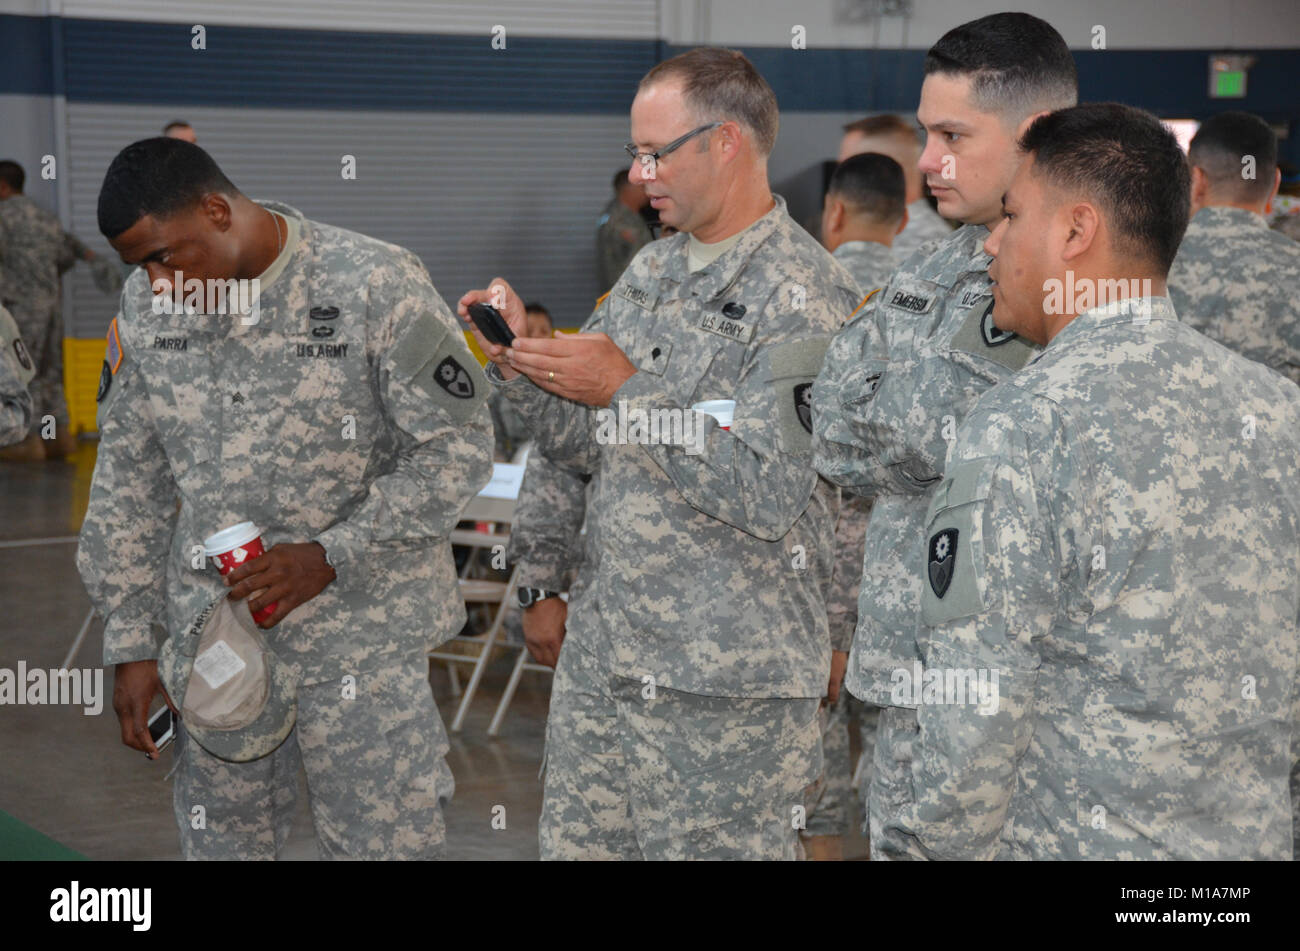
721 410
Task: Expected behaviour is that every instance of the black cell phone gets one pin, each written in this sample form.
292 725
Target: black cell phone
162 728
491 324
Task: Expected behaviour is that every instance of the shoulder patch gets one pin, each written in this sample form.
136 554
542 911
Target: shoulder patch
454 378
943 553
113 349
979 335
105 382
954 583
794 366
20 351
448 377
11 339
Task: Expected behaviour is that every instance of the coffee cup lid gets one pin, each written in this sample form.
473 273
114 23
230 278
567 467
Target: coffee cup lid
721 410
230 538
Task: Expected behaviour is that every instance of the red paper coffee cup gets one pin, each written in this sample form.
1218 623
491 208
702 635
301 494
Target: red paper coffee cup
233 546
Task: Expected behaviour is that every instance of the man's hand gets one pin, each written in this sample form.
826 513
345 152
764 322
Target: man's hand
502 296
288 575
585 368
135 684
839 663
544 629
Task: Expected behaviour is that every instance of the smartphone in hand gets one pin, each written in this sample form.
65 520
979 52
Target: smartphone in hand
162 728
491 324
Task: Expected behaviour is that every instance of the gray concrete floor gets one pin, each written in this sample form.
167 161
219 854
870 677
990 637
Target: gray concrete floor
67 775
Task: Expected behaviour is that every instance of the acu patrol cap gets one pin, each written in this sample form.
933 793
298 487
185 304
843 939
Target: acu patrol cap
237 699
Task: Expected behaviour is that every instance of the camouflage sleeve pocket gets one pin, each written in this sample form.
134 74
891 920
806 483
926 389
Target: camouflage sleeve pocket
956 583
794 367
435 362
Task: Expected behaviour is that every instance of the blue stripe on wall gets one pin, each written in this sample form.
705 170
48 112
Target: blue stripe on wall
26 63
323 69
135 62
1168 82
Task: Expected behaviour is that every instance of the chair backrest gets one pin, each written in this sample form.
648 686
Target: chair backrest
496 501
482 508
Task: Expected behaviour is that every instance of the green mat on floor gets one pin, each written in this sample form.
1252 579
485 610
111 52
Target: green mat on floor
20 842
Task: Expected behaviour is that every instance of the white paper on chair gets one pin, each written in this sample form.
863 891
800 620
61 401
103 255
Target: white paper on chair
505 482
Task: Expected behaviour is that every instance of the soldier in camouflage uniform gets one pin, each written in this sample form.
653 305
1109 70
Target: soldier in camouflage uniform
35 252
896 137
1117 536
342 418
16 371
863 211
620 231
684 711
908 366
1234 278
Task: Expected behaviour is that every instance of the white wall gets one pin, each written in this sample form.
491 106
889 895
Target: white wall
28 124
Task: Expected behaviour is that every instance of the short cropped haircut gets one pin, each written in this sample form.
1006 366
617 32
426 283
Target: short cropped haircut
619 180
871 184
535 307
176 124
1220 148
722 85
159 177
1128 163
1017 63
883 125
12 174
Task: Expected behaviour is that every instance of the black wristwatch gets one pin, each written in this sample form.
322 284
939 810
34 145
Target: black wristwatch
530 596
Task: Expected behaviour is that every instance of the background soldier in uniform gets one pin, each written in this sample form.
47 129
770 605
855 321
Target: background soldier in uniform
1234 278
35 252
863 211
905 370
342 418
862 216
896 137
16 371
684 711
620 231
1118 537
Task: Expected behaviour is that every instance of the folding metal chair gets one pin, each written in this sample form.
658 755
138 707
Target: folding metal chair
522 663
480 591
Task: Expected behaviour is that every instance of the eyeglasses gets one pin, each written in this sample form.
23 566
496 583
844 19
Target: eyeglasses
649 160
